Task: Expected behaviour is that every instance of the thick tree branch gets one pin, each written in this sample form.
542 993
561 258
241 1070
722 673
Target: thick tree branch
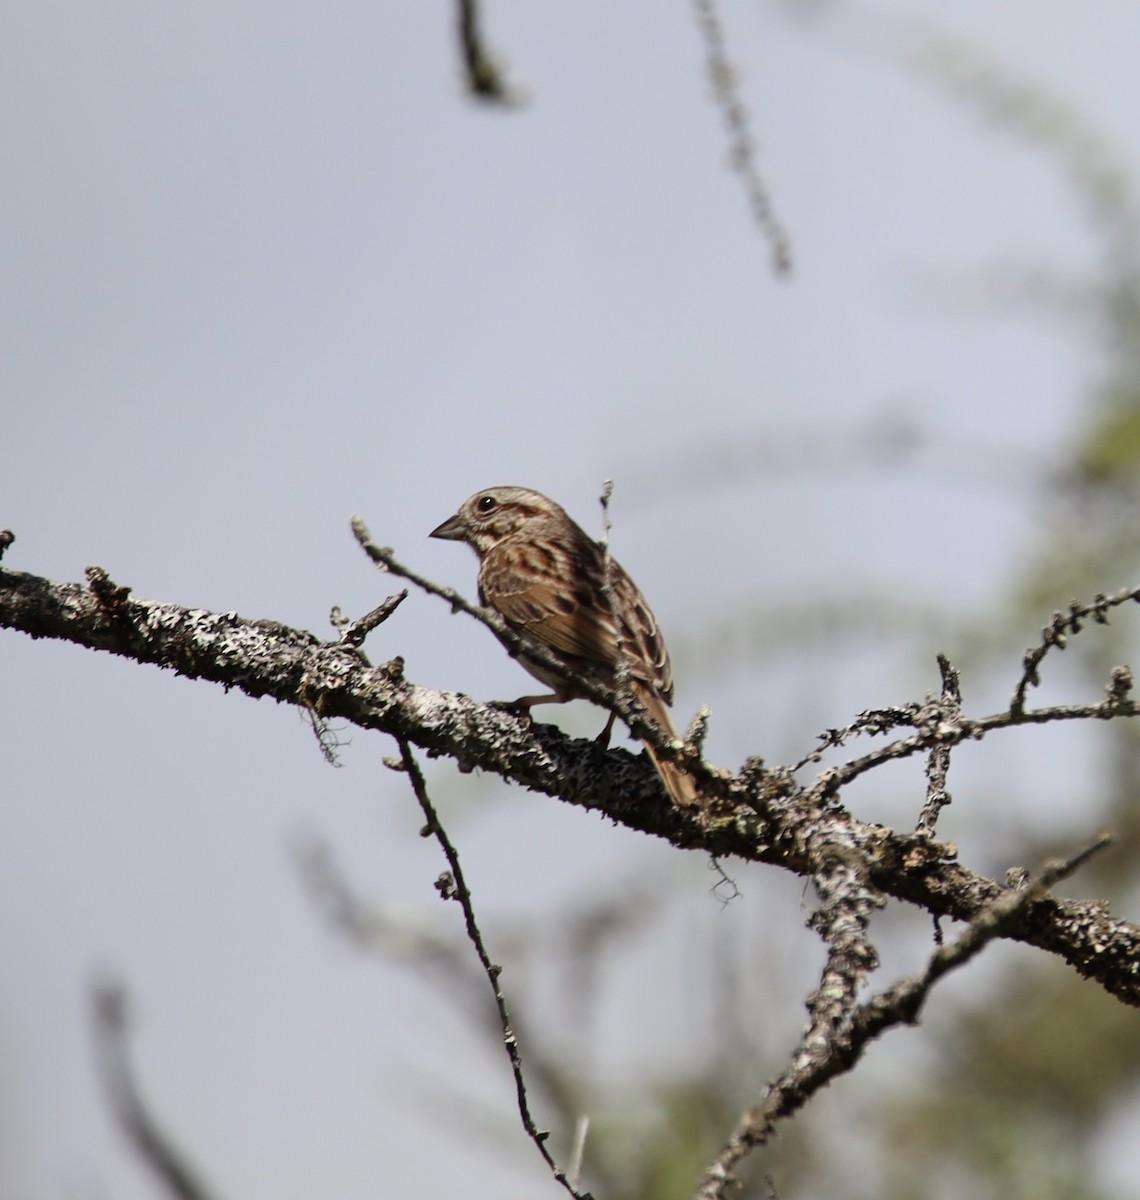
822 1054
762 816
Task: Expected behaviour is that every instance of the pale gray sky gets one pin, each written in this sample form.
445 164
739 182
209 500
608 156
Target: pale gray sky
265 266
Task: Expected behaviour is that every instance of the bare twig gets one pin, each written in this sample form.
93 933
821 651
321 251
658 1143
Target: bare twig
938 761
1057 633
871 721
964 729
351 635
742 145
453 886
621 672
819 1060
355 633
111 595
109 1011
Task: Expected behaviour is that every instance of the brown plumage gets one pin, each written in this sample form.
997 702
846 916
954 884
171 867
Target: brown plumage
546 577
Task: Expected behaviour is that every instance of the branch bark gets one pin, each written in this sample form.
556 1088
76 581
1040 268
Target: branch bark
761 815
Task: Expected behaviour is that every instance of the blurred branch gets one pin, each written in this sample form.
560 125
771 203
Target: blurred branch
109 1011
889 441
582 937
742 145
482 70
816 622
579 938
1035 113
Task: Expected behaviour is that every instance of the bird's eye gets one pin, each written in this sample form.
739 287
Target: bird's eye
486 504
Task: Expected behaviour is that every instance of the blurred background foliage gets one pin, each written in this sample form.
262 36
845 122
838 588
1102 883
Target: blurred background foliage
1023 1081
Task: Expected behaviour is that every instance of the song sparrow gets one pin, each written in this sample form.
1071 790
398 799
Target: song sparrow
546 577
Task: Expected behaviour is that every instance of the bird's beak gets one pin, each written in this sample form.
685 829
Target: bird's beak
453 529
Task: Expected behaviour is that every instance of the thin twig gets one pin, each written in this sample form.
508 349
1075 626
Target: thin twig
355 633
109 1011
1057 634
938 761
872 721
964 729
621 671
453 886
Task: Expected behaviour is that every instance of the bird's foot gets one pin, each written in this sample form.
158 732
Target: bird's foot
517 708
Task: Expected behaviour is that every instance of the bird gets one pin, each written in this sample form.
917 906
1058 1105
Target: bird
546 577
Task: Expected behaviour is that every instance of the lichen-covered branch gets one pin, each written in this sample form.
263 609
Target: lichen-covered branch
819 1059
761 815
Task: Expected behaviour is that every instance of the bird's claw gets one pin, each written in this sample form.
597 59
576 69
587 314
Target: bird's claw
517 708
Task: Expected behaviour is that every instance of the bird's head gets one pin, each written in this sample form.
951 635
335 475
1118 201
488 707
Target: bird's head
495 514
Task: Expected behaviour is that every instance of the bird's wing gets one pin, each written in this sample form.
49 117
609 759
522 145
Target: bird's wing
554 593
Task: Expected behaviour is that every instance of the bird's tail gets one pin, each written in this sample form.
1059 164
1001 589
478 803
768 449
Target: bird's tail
680 785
